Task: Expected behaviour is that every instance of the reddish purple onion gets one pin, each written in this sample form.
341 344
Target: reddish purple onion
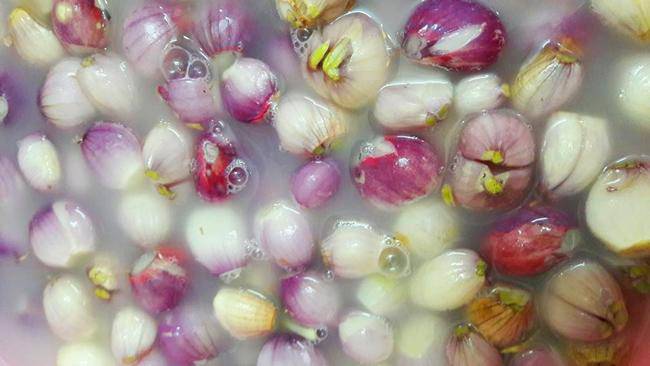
310 299
541 356
80 25
159 279
460 35
190 335
222 26
249 90
531 242
218 169
316 182
466 347
288 350
394 170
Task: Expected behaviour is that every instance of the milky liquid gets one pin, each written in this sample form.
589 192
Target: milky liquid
25 338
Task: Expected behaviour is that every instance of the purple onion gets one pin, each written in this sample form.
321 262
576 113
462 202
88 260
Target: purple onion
310 299
189 335
80 25
466 347
249 90
460 35
191 99
541 356
287 350
222 26
394 170
316 182
113 153
10 181
147 31
11 99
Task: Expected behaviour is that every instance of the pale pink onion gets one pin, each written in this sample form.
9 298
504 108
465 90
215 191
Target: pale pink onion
316 182
249 90
539 356
366 338
191 99
223 27
311 299
467 348
287 350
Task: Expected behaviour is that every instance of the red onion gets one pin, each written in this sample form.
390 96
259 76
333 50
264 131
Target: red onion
287 350
218 169
394 170
249 90
310 299
80 25
541 356
316 182
159 279
467 348
223 26
190 335
460 35
531 242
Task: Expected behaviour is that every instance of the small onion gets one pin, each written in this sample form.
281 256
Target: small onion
287 350
616 207
316 182
449 280
628 17
285 236
68 309
12 98
223 27
310 299
80 25
133 335
61 233
427 227
491 169
394 170
159 279
355 250
613 351
153 358
109 84
249 90
457 35
583 302
306 126
167 153
366 338
103 273
39 162
62 101
244 313
189 335
381 295
421 340
549 79
413 105
216 236
540 356
83 354
145 218
347 61
530 242
480 92
219 169
35 43
11 184
634 89
503 314
308 13
575 149
113 153
467 348
146 33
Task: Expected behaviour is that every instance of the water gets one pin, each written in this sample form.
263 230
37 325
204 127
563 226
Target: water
30 342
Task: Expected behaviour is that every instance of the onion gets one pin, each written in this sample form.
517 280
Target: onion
133 335
80 25
167 152
634 89
285 350
145 218
249 90
244 313
316 182
310 299
11 184
103 273
308 13
68 309
223 27
540 356
467 348
83 353
628 17
480 92
394 170
366 338
39 162
457 35
382 295
34 43
12 98
421 340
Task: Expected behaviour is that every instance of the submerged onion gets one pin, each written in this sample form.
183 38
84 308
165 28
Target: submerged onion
145 217
12 98
633 87
33 42
83 353
11 184
466 347
628 17
366 338
382 295
394 170
449 280
616 207
539 356
167 153
531 241
347 61
583 302
421 340
575 149
308 13
80 25
68 309
492 169
38 160
460 35
480 92
133 335
310 299
503 314
223 27
244 313
285 350
316 182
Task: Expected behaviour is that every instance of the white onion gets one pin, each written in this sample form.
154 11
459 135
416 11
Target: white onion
133 335
35 43
628 17
421 339
83 354
382 295
366 338
38 160
478 92
145 217
167 152
68 309
633 87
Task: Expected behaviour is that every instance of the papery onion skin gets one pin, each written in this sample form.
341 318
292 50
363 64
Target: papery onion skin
615 210
39 162
190 334
540 356
132 335
628 17
457 35
366 338
244 313
310 299
530 242
68 309
583 302
309 13
467 348
80 25
113 153
159 279
61 99
316 182
249 90
34 43
223 26
288 350
394 170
